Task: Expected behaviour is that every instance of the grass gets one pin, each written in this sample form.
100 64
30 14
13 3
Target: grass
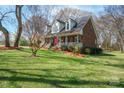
54 69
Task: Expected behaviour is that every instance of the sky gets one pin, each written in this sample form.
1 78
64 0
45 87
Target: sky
95 9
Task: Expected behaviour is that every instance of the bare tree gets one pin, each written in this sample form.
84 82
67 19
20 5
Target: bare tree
65 13
4 29
19 20
35 26
117 20
35 31
106 33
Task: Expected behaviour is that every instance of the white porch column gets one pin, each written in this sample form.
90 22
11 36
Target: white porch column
77 39
66 40
60 41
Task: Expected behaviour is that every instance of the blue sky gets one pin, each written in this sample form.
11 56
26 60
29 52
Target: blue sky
95 9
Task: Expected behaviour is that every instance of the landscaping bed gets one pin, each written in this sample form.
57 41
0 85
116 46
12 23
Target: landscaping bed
7 48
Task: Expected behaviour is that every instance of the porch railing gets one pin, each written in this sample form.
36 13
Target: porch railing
70 43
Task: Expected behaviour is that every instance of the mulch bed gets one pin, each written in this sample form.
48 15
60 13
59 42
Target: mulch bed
70 53
8 48
74 54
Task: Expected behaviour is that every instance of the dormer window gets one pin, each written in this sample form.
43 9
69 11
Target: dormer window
67 26
70 24
58 26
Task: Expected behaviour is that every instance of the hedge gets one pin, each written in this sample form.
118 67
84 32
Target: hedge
82 50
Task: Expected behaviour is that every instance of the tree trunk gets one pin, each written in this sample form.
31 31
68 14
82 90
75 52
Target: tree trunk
121 42
19 19
122 47
34 52
6 34
7 43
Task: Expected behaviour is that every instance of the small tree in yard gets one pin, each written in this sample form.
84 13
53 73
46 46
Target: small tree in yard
35 26
34 29
36 43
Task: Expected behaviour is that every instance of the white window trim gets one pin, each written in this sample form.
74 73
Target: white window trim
69 24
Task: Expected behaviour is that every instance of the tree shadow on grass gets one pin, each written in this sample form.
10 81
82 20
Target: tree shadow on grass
55 81
49 57
24 50
103 54
116 65
69 60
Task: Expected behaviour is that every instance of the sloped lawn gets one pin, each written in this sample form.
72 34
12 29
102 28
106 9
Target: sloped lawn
54 69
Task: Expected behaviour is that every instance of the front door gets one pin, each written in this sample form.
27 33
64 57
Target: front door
55 40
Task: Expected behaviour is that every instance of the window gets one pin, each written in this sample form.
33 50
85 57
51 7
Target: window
79 38
67 26
75 38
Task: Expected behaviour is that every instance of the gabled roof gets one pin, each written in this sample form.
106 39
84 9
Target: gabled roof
81 22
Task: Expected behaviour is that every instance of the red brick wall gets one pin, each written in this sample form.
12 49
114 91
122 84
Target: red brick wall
89 35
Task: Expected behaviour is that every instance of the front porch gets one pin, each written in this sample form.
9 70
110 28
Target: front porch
58 41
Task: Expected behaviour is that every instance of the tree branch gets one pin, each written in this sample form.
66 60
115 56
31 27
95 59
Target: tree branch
5 14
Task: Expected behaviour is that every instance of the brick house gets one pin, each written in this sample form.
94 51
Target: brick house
71 32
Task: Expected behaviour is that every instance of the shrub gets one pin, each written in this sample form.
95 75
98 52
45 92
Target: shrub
77 49
23 42
99 51
71 48
88 50
84 50
64 48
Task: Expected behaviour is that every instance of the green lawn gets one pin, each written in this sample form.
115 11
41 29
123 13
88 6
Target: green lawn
54 69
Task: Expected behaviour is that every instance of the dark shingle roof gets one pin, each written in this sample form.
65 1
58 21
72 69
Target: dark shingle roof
60 21
80 25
